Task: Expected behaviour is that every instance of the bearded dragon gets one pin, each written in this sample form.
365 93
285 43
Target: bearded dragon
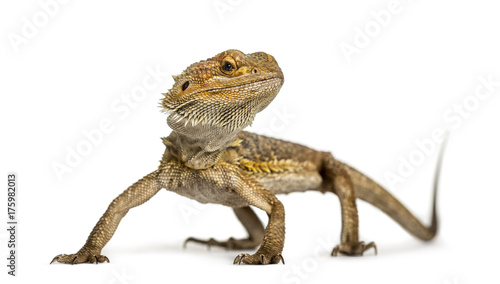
209 158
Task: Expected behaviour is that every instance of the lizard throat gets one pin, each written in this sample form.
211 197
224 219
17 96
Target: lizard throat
200 146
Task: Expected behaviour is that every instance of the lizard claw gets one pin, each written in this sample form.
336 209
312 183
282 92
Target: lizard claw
239 258
355 249
211 242
80 257
230 244
55 258
258 259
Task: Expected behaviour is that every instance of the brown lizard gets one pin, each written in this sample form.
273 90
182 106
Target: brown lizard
210 159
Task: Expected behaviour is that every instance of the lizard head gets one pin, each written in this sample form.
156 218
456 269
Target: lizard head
225 92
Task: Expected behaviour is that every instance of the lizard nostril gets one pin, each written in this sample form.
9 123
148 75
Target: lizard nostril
255 71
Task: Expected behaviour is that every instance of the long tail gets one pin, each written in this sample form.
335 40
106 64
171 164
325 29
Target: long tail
373 193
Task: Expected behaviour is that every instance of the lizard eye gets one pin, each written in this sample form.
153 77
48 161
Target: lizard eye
185 86
227 66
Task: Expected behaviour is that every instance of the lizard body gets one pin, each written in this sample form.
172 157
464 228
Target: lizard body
209 158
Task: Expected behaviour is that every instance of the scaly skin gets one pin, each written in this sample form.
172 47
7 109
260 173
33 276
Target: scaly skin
210 159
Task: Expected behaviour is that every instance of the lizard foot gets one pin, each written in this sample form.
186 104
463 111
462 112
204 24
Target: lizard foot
230 244
258 258
80 257
353 249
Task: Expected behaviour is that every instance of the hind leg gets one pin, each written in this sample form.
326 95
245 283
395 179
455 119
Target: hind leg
339 182
252 224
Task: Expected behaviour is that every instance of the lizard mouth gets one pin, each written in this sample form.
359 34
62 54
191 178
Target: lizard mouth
267 82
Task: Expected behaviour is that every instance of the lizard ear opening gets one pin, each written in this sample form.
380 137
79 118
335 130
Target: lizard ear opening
185 86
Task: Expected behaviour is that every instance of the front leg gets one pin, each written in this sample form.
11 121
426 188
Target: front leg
274 235
135 195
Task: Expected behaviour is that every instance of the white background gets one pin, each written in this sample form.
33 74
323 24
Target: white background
67 76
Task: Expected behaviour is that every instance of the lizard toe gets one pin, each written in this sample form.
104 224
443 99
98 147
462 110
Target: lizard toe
353 249
80 257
